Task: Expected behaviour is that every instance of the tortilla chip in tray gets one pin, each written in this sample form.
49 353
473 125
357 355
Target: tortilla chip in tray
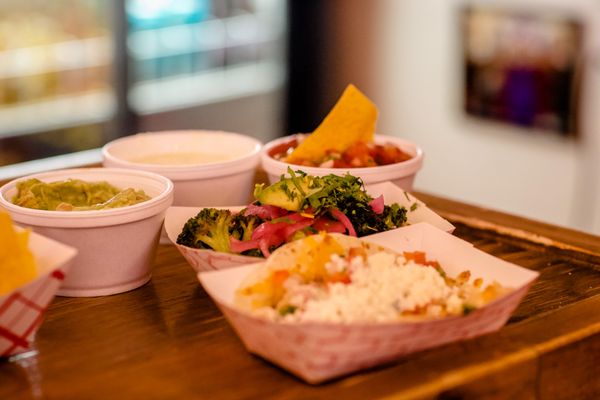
319 351
208 260
22 309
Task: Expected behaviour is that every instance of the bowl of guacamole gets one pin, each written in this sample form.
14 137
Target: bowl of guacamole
74 195
112 216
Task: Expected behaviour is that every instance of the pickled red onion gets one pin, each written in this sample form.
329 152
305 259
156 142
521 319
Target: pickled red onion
377 205
265 211
238 246
340 216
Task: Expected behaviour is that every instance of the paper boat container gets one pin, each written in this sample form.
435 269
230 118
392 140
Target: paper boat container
22 310
208 260
417 210
320 351
200 259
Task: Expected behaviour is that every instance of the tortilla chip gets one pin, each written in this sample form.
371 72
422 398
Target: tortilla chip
351 120
17 265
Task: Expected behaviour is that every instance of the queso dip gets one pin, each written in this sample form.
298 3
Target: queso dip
177 158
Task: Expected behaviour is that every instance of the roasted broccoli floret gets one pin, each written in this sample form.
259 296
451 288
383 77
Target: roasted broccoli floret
242 225
209 229
241 228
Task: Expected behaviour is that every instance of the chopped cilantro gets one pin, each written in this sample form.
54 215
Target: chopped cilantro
468 309
287 309
295 181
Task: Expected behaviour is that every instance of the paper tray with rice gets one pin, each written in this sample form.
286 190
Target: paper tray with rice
321 350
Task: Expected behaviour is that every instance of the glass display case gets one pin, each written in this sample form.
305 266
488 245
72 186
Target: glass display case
75 74
187 53
57 90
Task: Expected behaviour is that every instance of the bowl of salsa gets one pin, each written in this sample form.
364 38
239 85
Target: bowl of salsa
387 158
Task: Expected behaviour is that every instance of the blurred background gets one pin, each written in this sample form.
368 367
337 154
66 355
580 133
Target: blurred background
503 96
75 74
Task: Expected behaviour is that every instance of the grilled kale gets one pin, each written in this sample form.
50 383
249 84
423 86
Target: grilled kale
366 221
347 194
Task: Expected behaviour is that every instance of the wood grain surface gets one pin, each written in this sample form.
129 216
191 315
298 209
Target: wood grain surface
167 340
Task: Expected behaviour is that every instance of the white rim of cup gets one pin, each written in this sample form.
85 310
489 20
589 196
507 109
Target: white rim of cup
190 171
269 163
92 218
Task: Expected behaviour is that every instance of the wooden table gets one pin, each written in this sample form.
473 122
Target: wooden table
167 340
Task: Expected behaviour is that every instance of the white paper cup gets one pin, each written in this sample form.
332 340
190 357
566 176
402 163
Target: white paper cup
215 182
402 174
116 246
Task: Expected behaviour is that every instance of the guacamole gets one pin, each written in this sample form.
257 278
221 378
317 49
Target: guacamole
74 195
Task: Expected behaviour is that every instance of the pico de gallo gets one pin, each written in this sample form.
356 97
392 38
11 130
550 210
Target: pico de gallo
358 155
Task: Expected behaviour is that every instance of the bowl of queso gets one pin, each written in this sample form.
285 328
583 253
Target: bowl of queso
388 158
112 216
196 161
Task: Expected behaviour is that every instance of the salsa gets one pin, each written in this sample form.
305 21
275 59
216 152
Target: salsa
74 195
358 155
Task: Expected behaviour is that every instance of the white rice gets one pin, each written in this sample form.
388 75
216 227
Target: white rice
382 287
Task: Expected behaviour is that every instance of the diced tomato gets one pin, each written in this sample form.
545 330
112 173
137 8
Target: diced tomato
357 155
433 264
388 154
282 150
341 277
421 258
279 276
418 310
341 164
416 256
357 252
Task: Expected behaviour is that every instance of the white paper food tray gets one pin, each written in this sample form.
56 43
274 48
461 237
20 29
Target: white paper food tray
22 310
320 351
208 260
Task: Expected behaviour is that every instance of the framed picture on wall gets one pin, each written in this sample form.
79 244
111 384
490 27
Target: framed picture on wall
522 68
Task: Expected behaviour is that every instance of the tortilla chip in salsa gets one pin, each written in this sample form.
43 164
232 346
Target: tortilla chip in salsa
351 120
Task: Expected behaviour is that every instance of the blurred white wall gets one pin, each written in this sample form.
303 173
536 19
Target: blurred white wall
418 88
